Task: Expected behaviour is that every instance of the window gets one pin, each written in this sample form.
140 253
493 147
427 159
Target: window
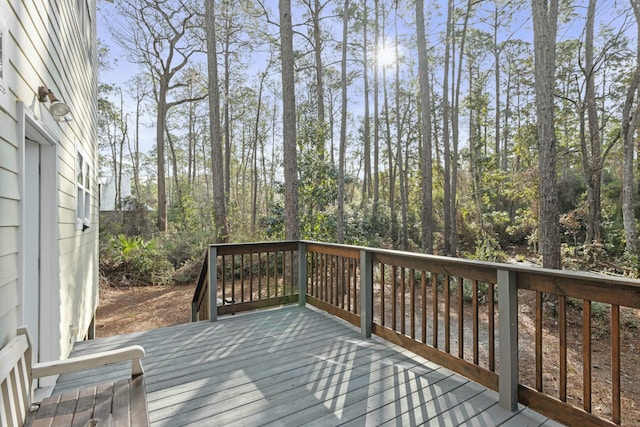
83 191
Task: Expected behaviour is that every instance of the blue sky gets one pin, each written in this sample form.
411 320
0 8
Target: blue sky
607 13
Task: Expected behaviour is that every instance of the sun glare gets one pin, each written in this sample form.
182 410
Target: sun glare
386 55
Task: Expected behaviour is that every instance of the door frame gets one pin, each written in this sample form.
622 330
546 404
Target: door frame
29 127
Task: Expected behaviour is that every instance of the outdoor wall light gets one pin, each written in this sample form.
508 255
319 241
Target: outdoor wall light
58 109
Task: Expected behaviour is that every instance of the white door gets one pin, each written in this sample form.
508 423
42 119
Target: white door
39 265
32 247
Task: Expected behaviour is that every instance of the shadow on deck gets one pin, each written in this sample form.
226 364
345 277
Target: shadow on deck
295 366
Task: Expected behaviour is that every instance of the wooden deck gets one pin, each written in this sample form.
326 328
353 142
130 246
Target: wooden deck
294 366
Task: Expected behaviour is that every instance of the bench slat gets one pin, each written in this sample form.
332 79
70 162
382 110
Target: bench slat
104 398
12 405
139 412
84 407
65 409
23 382
122 403
45 414
11 354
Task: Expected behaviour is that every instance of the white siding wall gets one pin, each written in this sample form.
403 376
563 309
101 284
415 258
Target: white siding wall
45 45
8 235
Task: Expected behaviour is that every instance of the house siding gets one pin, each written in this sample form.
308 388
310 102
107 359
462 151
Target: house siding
44 43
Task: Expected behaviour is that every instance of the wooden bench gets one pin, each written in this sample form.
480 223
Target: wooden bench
123 402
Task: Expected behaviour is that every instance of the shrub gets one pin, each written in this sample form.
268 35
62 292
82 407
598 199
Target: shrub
133 260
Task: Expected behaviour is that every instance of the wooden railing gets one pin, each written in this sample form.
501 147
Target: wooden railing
507 327
200 301
248 277
333 280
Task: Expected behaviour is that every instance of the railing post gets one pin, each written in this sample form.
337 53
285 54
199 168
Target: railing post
302 273
213 283
366 293
508 339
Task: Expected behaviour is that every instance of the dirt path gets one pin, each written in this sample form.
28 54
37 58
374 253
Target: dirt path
140 308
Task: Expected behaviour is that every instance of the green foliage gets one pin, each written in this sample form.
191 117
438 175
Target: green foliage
317 186
524 227
487 249
573 224
180 246
273 222
134 260
366 226
571 188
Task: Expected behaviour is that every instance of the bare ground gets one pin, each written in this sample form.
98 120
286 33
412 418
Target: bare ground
139 308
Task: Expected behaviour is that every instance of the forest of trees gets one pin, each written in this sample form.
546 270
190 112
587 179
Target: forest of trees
472 128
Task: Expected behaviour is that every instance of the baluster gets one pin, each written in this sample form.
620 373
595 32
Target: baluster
539 341
475 317
562 319
492 328
615 363
403 304
434 301
394 286
382 308
460 282
586 355
447 314
423 289
412 296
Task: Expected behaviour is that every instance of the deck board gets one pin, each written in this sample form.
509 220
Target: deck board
294 366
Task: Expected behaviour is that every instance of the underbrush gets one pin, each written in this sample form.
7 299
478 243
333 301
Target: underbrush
126 260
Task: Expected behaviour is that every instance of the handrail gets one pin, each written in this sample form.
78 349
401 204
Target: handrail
200 291
228 301
453 310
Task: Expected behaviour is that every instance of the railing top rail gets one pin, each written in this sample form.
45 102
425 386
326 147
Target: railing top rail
200 288
253 247
598 287
331 249
585 278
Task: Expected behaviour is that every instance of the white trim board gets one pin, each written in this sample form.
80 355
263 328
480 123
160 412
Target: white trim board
49 278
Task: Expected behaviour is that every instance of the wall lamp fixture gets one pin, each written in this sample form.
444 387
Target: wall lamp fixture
58 109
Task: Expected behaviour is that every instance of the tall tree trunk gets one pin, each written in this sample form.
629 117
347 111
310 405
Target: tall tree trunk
136 148
227 121
256 133
448 249
174 166
630 121
393 231
161 121
545 25
123 131
217 171
376 114
366 181
426 161
317 41
454 127
191 146
593 165
496 66
399 134
291 224
506 128
343 123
